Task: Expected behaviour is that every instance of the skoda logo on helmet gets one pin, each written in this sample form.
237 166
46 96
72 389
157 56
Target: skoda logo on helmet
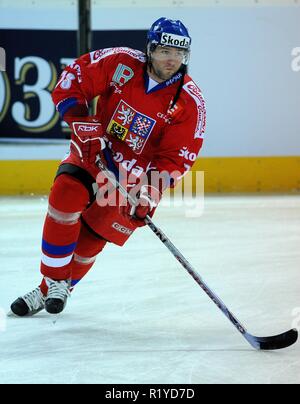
175 40
170 33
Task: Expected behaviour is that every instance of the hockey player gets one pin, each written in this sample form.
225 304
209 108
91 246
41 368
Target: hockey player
148 111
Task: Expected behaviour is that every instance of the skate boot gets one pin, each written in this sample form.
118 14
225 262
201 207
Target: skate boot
29 304
58 293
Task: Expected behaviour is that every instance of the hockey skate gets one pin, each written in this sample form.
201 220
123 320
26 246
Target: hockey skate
58 293
29 304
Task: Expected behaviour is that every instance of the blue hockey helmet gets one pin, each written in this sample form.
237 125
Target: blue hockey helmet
166 32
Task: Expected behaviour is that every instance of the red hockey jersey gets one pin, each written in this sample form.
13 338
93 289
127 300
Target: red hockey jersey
144 131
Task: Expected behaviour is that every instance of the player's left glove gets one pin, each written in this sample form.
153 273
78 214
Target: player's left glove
87 139
147 201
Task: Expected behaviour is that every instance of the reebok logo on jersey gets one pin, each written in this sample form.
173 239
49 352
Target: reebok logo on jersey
175 40
87 128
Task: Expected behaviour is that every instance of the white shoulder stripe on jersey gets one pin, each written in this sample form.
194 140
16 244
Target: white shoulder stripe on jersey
103 53
194 91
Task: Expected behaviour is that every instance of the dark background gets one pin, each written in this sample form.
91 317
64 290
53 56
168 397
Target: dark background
51 46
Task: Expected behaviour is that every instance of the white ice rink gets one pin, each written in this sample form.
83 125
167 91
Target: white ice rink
138 317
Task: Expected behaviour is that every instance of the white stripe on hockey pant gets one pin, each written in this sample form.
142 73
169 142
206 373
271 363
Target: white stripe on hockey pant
62 217
56 262
84 260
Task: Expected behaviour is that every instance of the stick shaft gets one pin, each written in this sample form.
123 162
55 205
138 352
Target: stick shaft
260 343
188 267
176 253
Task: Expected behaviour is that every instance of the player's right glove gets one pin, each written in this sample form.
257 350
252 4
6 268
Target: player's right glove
86 138
147 201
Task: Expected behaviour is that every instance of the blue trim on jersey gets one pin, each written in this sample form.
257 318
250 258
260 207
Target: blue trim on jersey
63 106
164 84
110 163
57 249
74 282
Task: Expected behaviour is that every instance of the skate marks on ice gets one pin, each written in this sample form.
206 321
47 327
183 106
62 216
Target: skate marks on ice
81 350
139 318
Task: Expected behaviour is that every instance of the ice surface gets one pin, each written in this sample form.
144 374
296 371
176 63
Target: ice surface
138 317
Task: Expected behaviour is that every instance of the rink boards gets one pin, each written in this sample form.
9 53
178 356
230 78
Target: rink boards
221 174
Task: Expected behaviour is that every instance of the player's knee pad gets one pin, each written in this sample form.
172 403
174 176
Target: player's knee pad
68 195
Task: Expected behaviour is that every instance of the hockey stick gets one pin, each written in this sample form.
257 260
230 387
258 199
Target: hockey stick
260 343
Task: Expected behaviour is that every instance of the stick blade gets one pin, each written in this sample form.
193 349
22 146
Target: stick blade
280 341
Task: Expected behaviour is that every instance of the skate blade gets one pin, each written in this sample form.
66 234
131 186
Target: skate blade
54 318
11 314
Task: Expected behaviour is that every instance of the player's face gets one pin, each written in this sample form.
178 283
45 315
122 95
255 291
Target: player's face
166 61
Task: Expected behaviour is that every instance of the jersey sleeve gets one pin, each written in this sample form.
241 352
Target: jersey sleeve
181 142
76 85
87 77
